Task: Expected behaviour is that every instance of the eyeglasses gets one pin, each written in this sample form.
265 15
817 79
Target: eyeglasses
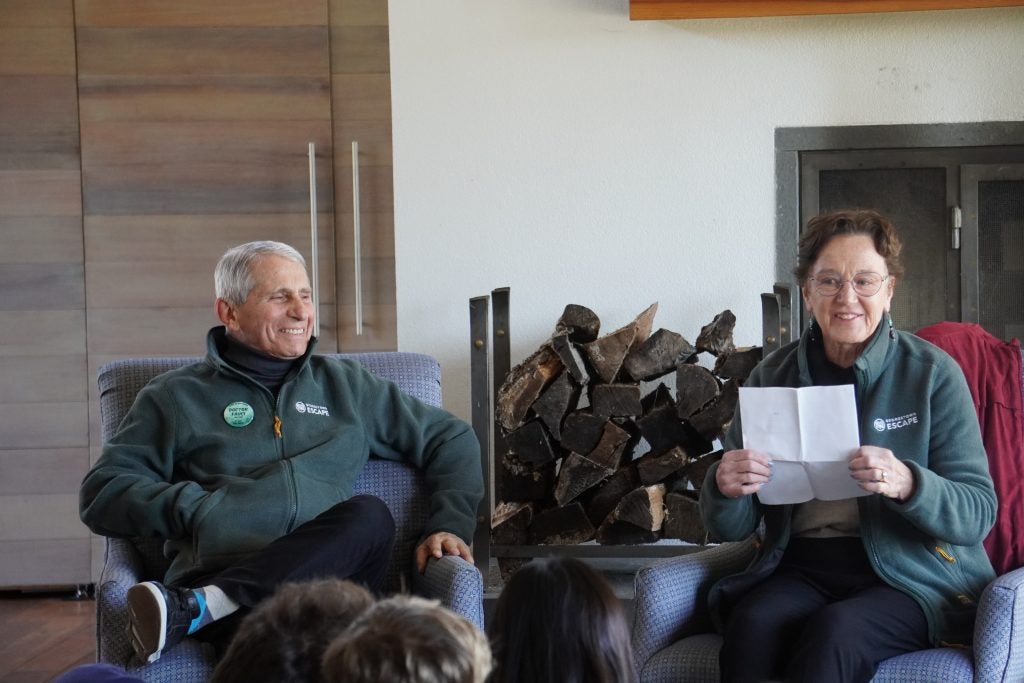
865 284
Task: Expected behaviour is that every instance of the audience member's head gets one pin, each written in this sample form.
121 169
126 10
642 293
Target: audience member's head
558 621
284 637
406 639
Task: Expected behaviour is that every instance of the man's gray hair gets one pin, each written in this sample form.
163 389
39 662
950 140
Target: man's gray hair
232 279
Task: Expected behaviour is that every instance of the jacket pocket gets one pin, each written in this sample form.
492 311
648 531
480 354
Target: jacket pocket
241 517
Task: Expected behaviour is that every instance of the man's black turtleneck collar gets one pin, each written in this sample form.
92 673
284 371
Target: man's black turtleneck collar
267 370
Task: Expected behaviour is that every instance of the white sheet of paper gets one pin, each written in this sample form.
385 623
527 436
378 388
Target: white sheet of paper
810 432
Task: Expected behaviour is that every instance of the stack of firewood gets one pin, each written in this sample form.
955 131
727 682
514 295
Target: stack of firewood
573 414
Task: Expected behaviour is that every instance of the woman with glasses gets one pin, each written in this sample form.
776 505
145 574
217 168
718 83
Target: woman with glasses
838 586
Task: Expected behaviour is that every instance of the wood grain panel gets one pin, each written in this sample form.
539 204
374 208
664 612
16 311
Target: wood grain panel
33 193
377 238
37 51
41 286
203 51
360 49
40 379
359 13
131 332
706 9
62 562
204 98
266 144
198 188
200 13
361 97
374 139
379 325
376 190
57 470
378 274
44 425
42 516
39 123
44 333
39 13
41 239
198 236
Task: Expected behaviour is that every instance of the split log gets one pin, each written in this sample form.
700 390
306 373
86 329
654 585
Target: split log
683 520
609 449
716 336
606 354
579 323
605 497
713 418
509 523
654 468
523 385
558 399
561 526
581 431
658 355
696 387
615 400
571 358
636 519
660 397
663 429
517 481
578 474
738 363
530 444
696 471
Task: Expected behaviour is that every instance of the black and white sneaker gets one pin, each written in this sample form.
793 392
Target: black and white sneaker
159 617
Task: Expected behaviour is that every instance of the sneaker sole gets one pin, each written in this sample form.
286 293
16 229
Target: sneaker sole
147 621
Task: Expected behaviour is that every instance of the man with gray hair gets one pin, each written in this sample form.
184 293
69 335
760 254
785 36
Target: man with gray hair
216 459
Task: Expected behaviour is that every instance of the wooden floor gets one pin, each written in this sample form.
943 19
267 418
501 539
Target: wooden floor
44 634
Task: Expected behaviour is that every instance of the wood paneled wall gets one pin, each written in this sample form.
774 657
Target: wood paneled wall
361 96
139 139
43 383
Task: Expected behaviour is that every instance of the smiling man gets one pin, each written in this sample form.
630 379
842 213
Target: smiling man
245 463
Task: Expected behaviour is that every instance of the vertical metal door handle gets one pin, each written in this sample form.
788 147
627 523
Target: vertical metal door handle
315 265
356 246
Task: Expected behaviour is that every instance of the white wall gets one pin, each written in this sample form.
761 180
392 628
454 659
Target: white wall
557 148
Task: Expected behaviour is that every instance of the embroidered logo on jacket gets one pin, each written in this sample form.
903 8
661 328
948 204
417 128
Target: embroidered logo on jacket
890 423
311 409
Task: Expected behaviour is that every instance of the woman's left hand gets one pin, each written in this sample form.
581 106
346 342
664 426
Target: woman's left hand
878 470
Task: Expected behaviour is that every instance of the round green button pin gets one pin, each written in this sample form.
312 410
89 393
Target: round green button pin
238 414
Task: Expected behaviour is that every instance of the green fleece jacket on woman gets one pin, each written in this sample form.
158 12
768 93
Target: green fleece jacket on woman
209 460
912 399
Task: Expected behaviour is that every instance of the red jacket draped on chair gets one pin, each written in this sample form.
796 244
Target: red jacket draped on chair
993 369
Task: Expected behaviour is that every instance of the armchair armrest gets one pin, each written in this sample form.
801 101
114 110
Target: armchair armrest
457 584
671 596
998 648
123 567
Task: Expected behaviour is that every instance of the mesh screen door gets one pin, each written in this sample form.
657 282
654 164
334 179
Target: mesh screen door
915 200
993 242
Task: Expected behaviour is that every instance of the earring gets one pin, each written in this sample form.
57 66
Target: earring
892 332
812 330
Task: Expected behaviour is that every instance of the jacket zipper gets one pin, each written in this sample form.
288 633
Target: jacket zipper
293 497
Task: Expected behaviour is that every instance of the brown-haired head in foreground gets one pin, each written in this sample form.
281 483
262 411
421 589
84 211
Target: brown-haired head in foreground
823 227
406 639
284 637
558 621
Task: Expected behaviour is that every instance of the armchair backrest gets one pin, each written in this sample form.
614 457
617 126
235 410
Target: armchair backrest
400 486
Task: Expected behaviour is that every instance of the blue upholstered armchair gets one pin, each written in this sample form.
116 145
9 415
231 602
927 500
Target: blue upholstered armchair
674 641
453 581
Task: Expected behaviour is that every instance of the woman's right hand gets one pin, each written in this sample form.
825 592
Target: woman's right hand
742 472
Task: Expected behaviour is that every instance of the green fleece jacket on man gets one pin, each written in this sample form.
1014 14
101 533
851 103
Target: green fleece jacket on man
912 399
209 460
